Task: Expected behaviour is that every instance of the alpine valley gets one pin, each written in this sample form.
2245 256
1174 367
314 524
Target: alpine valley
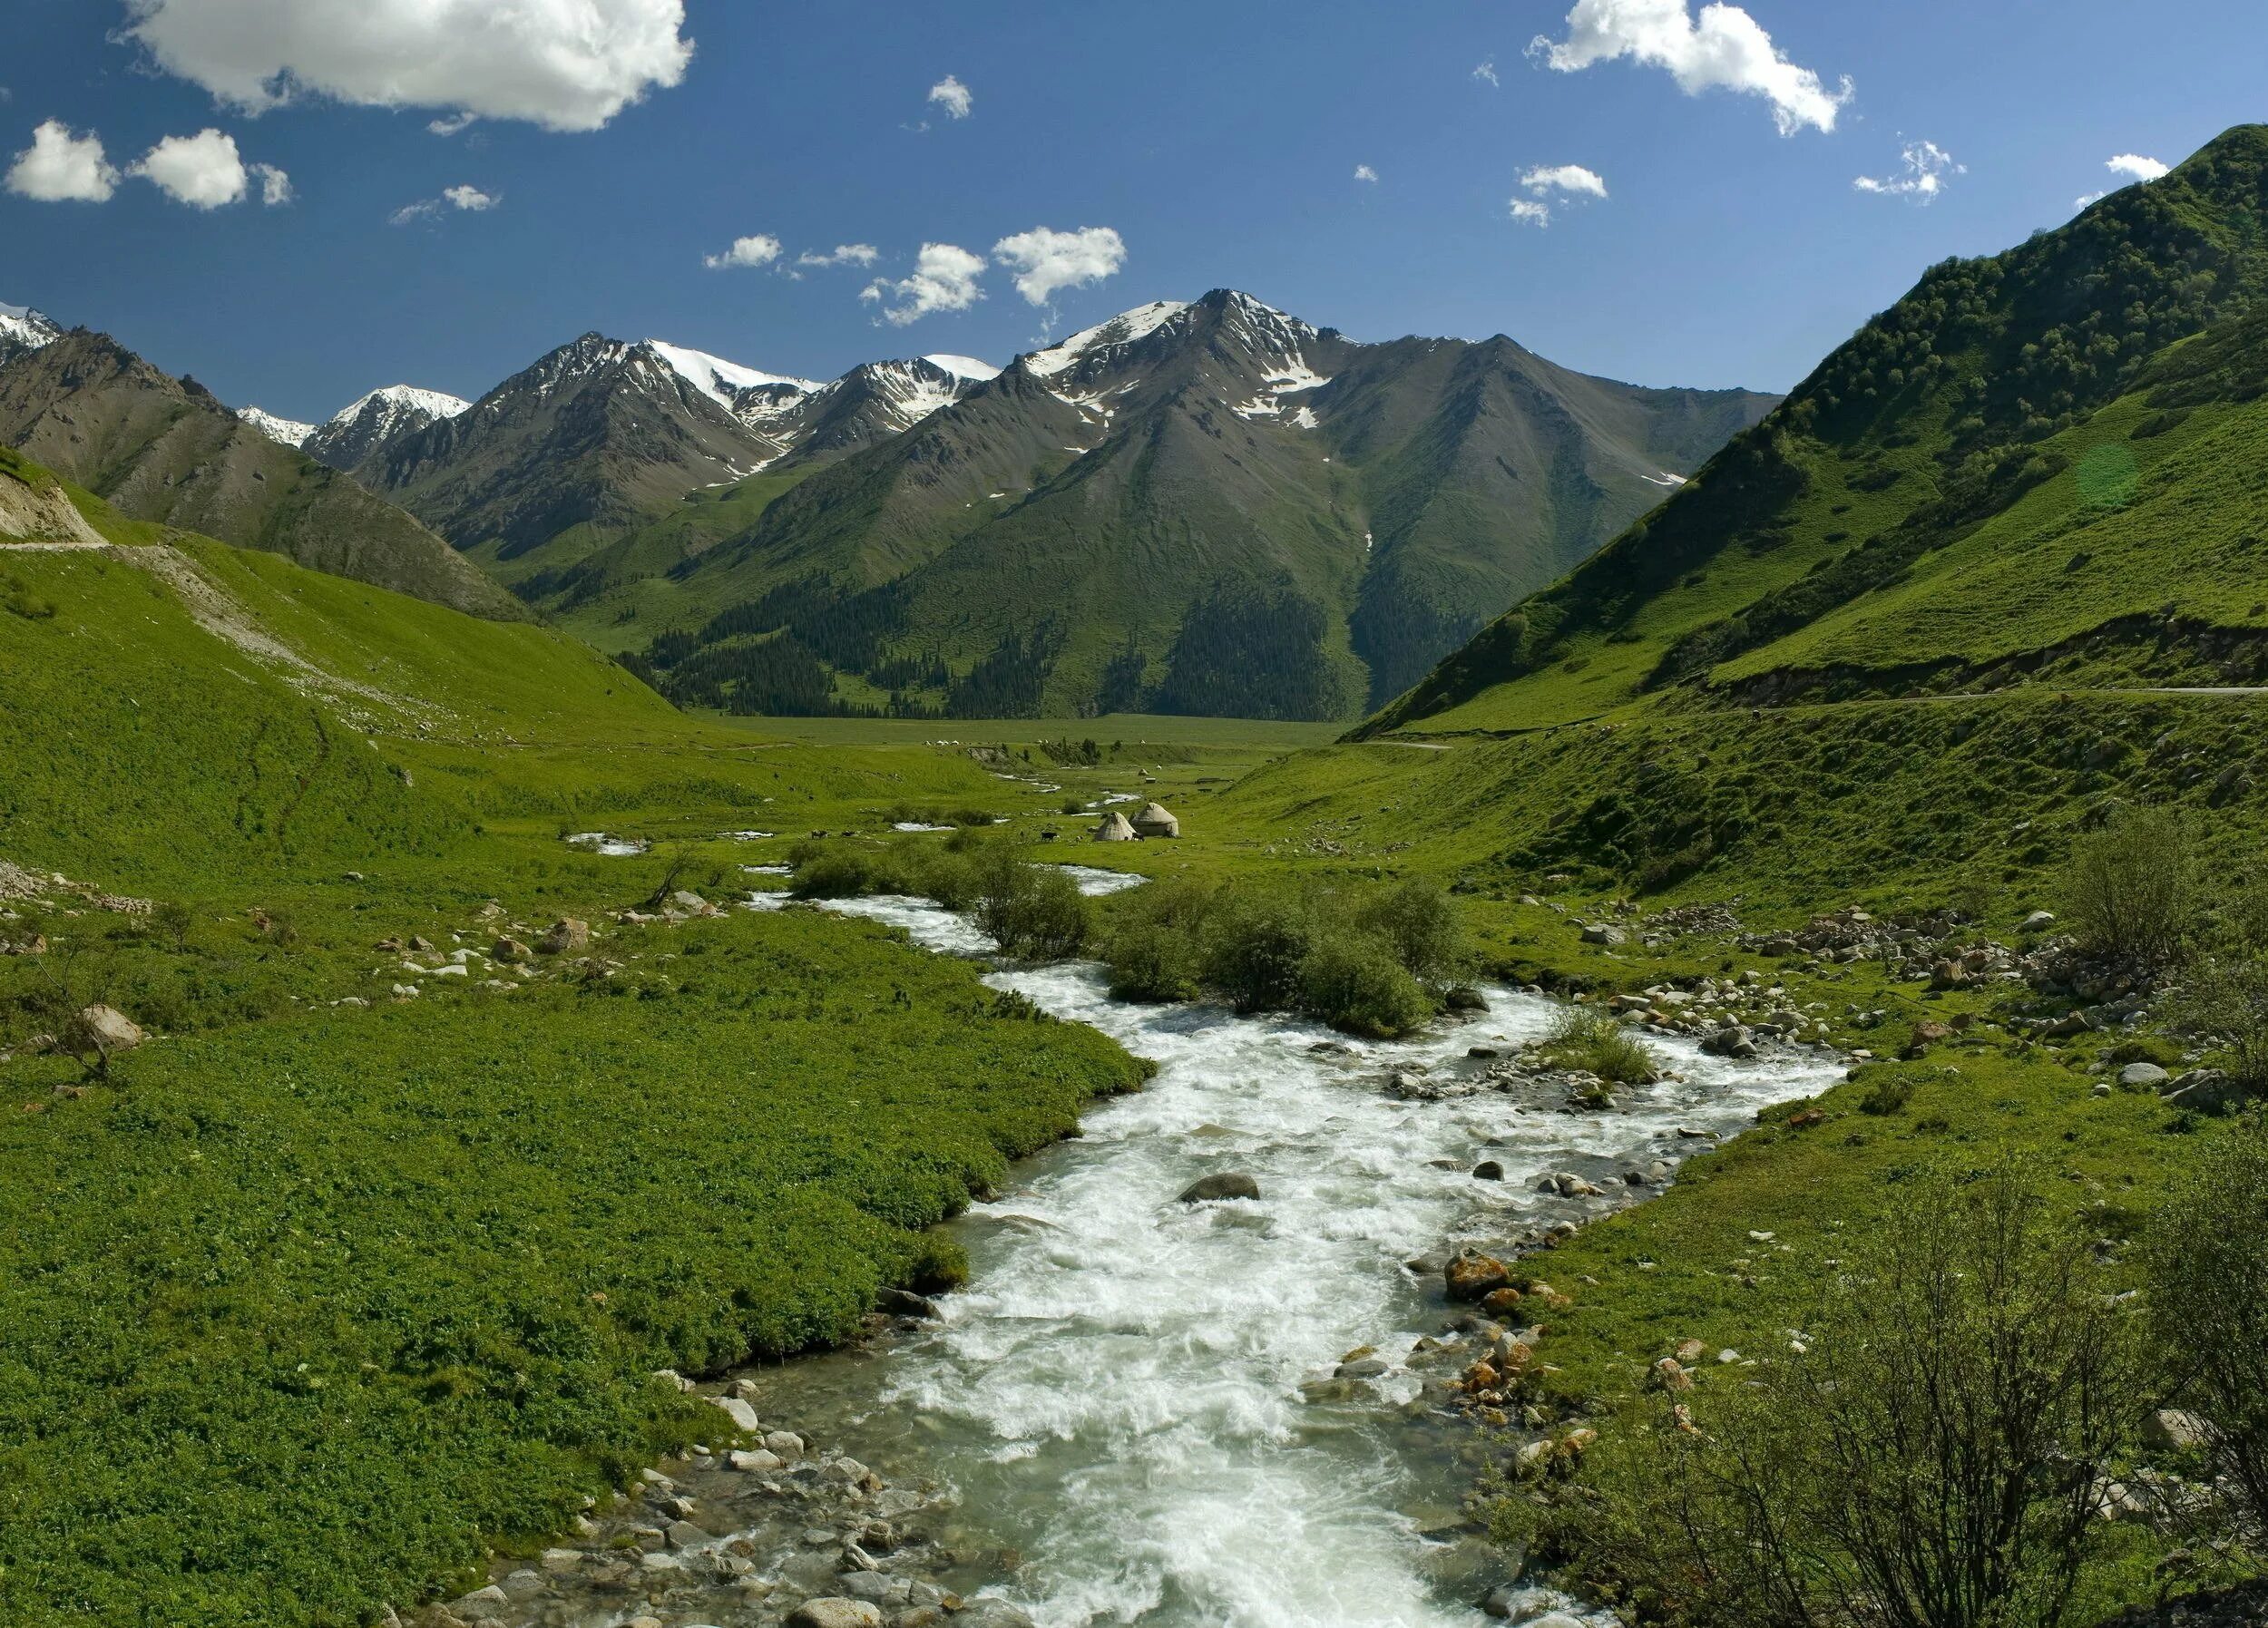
1509 996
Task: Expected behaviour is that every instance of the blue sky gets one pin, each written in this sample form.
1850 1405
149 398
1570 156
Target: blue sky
1219 142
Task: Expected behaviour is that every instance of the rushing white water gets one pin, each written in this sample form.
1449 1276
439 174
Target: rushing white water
1118 1394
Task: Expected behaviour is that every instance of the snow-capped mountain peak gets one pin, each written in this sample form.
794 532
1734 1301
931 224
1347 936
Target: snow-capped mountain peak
399 401
1127 327
379 420
290 431
24 329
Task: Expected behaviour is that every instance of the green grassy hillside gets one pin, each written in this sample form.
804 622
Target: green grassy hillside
330 1289
164 450
2026 451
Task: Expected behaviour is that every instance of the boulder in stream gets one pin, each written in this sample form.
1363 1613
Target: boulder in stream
1229 1184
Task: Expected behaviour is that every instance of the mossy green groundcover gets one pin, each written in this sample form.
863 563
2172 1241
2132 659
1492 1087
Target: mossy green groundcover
294 1316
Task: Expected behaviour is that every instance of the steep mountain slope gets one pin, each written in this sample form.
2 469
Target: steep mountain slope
164 450
2023 448
1996 570
1189 502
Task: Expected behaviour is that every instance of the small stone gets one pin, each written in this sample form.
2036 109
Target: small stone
2142 1077
1487 1170
760 1462
836 1613
739 1412
2172 1428
482 1605
1472 1276
904 1302
684 1535
109 1029
567 936
787 1443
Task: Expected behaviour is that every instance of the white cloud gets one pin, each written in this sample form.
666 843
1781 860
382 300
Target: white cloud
1552 183
454 124
1486 72
2135 167
954 96
1923 167
275 186
1563 178
1364 172
470 199
1722 49
759 250
204 171
842 254
1046 262
60 166
944 279
564 65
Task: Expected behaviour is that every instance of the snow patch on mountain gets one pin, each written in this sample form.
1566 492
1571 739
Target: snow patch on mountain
964 367
1125 328
290 431
723 382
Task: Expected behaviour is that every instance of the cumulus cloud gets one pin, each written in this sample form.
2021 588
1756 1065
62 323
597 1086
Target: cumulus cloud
952 95
1923 169
760 248
1547 184
1722 49
944 279
1486 72
1563 178
62 166
204 171
464 199
1046 262
842 254
2135 167
563 64
1364 172
275 186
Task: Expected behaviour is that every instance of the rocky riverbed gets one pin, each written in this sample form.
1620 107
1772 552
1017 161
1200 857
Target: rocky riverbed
1219 1361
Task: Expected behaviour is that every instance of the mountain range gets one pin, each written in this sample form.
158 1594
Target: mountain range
1203 506
1208 506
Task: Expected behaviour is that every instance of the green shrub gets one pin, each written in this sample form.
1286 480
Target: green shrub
1423 928
2224 1001
1888 1095
1355 984
1928 1456
1156 949
1256 950
836 873
2129 888
1034 912
1592 1039
2207 1256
